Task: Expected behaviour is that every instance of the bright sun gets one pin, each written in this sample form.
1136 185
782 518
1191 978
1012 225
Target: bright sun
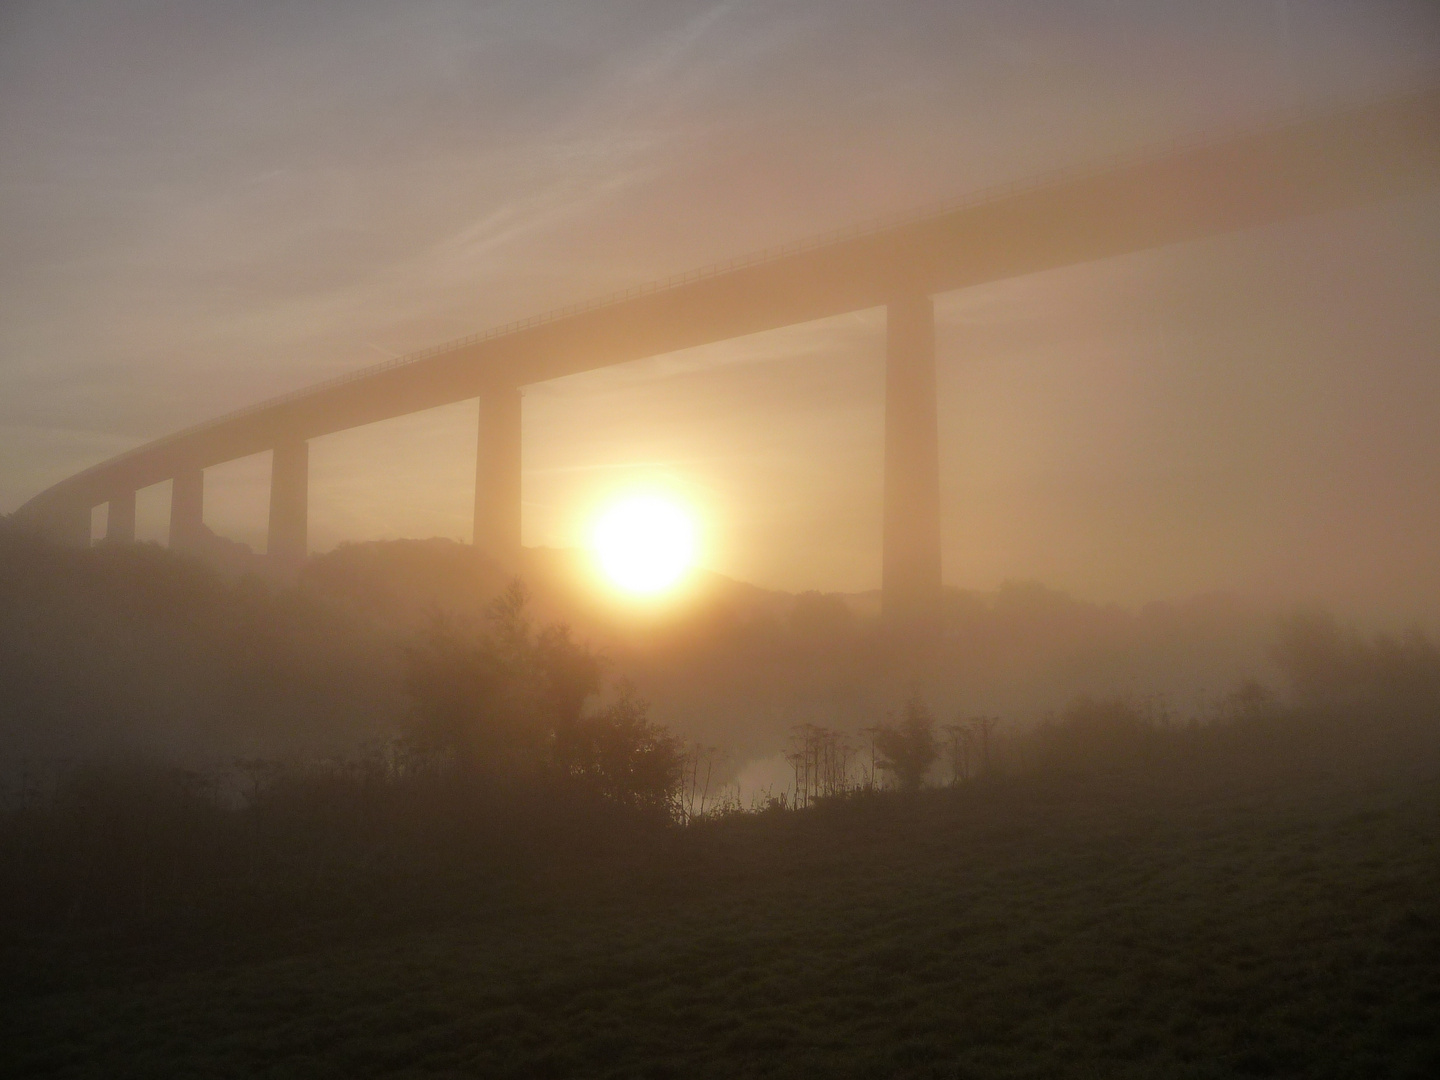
644 543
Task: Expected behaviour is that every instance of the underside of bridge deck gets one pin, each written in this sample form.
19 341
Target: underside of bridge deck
120 519
497 476
910 555
187 510
1305 167
287 539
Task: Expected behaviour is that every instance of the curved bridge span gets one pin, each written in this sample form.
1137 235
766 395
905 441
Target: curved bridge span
1319 164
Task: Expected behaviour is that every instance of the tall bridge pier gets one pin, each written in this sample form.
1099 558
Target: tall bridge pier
497 476
120 519
288 537
187 510
910 547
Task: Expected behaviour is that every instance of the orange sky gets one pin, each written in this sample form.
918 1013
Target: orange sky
203 209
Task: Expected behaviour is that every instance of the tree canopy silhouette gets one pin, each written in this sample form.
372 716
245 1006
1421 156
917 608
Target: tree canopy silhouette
507 701
908 748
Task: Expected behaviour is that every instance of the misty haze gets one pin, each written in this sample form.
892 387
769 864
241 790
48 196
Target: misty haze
720 539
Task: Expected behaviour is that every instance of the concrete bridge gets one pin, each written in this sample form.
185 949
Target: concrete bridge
1306 167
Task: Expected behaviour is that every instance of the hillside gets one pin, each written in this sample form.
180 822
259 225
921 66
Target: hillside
124 650
526 887
733 666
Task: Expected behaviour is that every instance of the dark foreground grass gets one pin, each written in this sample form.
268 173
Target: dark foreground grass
1096 928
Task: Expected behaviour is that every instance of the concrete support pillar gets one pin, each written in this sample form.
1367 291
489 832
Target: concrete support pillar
287 543
187 510
910 575
120 519
497 476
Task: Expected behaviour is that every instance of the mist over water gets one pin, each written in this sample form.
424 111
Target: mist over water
133 651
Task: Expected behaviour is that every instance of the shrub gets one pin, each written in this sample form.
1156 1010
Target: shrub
907 749
1329 666
509 702
1095 732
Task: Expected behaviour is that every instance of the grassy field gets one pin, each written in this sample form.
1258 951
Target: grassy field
1100 928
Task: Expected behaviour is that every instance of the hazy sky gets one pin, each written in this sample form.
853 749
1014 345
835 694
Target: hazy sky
202 205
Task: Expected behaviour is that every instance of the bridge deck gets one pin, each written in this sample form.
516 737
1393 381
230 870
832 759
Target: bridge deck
1287 171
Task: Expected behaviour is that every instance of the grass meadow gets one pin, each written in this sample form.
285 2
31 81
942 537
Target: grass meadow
1100 925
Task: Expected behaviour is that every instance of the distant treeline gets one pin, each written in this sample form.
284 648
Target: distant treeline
135 650
521 751
132 650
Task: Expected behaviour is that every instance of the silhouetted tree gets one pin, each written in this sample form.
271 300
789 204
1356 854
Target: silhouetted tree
465 693
627 759
568 674
508 700
983 726
1330 666
907 749
1248 701
960 740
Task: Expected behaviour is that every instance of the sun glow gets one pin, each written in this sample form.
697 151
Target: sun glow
644 543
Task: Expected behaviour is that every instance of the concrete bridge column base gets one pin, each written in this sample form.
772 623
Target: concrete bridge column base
287 540
910 573
497 477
